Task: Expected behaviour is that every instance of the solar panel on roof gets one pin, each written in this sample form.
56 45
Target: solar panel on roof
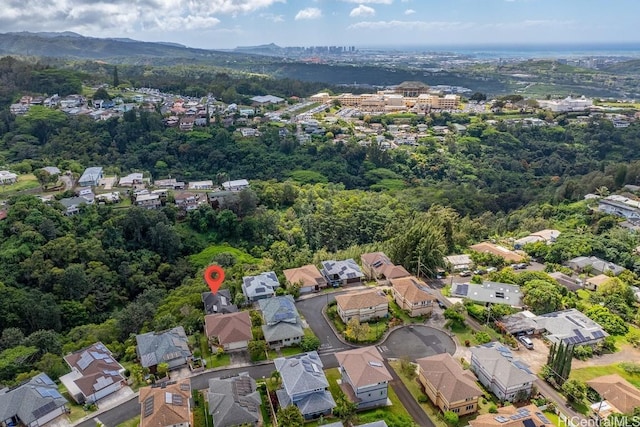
579 335
46 380
598 334
260 290
45 409
85 360
528 423
147 406
184 387
542 418
177 400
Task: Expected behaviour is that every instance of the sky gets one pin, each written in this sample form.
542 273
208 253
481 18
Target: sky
225 24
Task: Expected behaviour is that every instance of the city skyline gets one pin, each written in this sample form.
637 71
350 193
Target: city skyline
224 24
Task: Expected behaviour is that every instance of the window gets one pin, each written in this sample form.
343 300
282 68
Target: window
455 410
469 407
381 393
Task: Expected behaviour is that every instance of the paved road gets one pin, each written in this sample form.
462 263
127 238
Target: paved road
414 342
408 401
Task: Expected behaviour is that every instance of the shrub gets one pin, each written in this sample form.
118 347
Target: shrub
451 418
467 343
493 409
630 368
582 352
423 398
483 338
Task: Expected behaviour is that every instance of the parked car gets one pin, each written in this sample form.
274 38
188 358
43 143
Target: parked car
441 305
520 266
480 271
465 273
526 342
491 269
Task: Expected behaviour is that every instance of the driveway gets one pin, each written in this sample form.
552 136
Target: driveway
536 357
414 342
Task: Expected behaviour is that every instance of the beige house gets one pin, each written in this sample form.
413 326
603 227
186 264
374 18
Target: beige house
167 405
508 255
592 283
410 295
449 387
618 395
308 276
231 331
363 305
365 377
378 266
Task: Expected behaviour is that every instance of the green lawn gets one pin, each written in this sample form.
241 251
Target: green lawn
216 361
285 352
133 422
466 333
376 329
201 417
586 374
76 411
264 408
396 311
207 255
25 182
394 414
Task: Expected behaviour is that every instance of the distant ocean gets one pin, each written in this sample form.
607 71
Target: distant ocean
631 50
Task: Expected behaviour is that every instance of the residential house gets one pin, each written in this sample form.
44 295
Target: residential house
618 395
249 132
571 327
594 265
72 204
304 385
231 331
489 293
458 262
565 281
148 201
94 374
364 305
502 252
448 386
620 206
201 185
377 266
411 294
592 283
261 286
521 323
186 201
499 372
266 99
282 325
547 236
235 185
511 416
32 404
166 405
91 177
220 302
234 401
170 347
342 273
171 184
52 170
187 123
131 180
7 178
308 277
365 378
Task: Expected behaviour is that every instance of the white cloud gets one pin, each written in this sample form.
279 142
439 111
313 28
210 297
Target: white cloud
362 10
115 17
309 13
369 1
410 25
272 17
409 12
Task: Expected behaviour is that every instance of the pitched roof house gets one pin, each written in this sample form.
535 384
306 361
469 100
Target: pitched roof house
365 377
496 369
365 305
282 325
308 276
94 374
571 327
234 401
342 273
232 331
304 385
410 294
486 247
90 177
618 395
595 265
449 387
168 346
220 302
377 265
33 403
510 416
166 404
260 286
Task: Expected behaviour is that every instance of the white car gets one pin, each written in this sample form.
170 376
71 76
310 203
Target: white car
526 342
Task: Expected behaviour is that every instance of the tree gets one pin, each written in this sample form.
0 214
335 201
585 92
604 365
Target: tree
574 389
542 297
454 316
478 96
355 330
290 416
257 350
451 418
52 365
612 323
309 343
345 410
162 369
559 361
116 78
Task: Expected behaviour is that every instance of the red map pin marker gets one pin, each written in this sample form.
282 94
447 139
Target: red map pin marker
214 282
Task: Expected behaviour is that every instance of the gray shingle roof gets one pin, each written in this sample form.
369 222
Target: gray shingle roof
570 326
233 401
279 310
498 361
32 400
491 292
347 269
157 347
219 302
260 285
